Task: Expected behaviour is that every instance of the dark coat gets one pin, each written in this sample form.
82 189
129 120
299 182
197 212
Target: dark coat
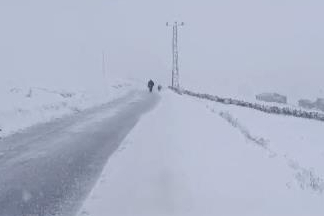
150 84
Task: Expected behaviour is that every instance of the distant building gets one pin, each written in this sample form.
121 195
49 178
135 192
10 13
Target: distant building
272 97
319 104
305 103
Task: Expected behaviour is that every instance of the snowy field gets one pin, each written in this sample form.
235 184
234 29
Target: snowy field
194 157
23 107
187 156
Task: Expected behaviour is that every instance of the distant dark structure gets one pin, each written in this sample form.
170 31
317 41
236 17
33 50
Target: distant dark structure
308 104
272 97
319 104
159 87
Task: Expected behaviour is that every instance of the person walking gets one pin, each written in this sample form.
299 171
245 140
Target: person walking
150 85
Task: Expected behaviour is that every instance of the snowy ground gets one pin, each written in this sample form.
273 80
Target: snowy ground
190 157
24 107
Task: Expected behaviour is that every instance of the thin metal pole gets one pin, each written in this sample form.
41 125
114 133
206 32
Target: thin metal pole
103 64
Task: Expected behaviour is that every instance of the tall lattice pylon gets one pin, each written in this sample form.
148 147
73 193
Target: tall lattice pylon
175 55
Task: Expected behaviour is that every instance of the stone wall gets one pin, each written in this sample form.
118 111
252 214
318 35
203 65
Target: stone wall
288 111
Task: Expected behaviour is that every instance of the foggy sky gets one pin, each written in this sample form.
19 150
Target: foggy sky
229 47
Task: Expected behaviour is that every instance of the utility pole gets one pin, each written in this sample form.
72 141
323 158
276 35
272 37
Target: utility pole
104 64
175 63
104 71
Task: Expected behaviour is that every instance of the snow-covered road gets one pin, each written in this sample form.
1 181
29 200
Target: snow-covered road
48 169
195 158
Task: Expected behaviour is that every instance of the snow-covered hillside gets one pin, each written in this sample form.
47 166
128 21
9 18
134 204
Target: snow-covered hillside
24 107
193 157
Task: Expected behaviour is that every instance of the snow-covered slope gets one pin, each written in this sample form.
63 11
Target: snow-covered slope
190 157
24 107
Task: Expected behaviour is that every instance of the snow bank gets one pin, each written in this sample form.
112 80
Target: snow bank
24 107
192 157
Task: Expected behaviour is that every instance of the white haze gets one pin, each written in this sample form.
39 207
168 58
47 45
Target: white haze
230 47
